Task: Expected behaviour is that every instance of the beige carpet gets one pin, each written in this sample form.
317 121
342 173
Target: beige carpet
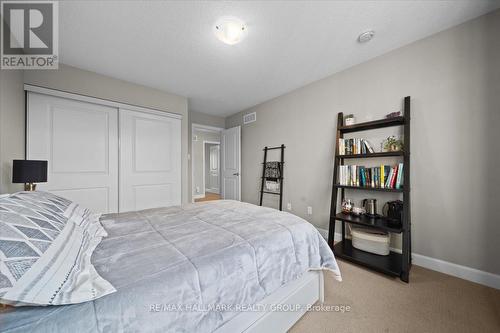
431 302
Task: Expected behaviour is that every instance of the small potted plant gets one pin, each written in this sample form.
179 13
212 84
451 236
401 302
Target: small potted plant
349 120
393 144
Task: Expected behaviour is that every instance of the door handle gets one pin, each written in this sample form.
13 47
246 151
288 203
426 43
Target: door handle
236 174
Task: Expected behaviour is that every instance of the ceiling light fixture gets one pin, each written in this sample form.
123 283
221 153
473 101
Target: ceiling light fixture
366 36
230 30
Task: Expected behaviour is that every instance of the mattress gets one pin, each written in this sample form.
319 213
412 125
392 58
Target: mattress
185 269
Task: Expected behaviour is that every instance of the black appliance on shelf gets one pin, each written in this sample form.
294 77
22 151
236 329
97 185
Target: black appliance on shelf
393 210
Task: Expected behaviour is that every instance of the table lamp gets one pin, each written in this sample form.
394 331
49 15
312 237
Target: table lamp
29 172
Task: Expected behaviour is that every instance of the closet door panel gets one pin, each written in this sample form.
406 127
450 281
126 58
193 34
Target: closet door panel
150 160
80 142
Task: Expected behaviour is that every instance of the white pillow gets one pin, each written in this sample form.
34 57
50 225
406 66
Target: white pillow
45 251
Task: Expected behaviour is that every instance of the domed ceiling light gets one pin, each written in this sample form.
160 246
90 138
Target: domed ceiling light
230 30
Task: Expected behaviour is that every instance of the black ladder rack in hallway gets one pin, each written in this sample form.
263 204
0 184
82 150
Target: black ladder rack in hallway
280 178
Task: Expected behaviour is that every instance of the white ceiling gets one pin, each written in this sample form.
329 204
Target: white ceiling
171 46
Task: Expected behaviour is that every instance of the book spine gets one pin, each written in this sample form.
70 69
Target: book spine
369 147
373 177
400 176
362 176
394 176
388 181
382 179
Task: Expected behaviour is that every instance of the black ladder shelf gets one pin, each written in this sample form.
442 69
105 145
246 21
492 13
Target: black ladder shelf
395 264
263 178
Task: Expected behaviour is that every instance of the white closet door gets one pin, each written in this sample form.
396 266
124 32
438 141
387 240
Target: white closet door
150 160
80 142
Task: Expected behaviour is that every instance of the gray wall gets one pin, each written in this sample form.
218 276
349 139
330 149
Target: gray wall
83 82
11 126
454 80
206 119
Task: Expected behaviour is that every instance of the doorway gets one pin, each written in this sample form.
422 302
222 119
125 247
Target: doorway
206 162
211 171
215 163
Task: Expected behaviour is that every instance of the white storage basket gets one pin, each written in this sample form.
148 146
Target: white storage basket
369 240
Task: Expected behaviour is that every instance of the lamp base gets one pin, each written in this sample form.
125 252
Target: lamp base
30 187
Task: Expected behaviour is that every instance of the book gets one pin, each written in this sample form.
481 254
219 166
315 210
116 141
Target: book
382 176
363 175
369 147
400 176
389 177
373 177
393 178
354 146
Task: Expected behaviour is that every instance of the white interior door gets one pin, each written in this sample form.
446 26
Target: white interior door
231 163
213 168
150 160
80 142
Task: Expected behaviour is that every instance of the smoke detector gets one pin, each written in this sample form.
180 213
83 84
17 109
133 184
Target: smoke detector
366 36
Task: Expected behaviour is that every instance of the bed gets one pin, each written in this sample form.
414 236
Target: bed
217 266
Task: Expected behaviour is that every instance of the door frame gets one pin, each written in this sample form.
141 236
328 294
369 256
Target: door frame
202 128
205 142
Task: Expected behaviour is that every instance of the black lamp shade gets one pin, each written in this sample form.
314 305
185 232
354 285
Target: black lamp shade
29 171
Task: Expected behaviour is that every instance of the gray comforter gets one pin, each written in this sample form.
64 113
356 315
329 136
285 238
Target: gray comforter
183 269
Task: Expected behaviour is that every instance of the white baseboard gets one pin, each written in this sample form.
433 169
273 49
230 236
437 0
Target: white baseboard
446 267
463 272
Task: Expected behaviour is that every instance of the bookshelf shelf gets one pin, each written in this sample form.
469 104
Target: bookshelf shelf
381 223
390 264
395 264
383 154
366 188
396 121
